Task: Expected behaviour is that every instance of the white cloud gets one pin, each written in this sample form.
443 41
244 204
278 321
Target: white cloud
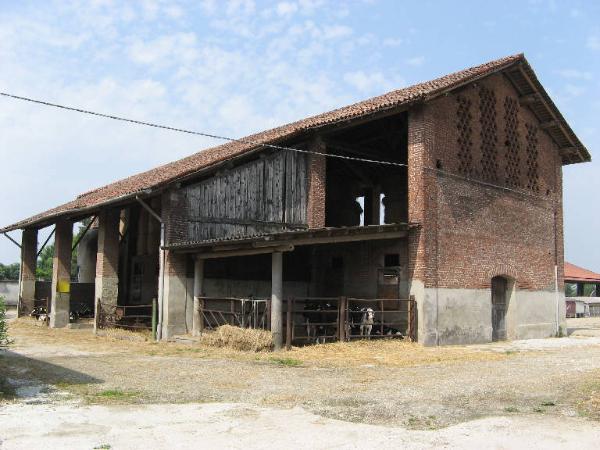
393 42
286 8
416 61
575 74
593 42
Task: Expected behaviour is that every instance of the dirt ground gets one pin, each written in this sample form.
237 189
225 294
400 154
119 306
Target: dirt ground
88 391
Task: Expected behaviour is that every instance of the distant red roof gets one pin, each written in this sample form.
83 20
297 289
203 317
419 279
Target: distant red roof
576 273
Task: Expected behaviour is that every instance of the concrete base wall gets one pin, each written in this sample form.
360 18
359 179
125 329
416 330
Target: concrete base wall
174 306
10 291
60 310
464 316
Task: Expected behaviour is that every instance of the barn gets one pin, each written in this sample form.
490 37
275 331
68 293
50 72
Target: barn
435 211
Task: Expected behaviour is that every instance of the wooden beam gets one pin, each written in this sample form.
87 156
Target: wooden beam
529 99
549 124
243 252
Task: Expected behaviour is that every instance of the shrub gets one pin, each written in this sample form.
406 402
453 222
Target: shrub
244 339
3 326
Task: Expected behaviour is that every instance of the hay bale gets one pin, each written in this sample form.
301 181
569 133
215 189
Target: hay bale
243 339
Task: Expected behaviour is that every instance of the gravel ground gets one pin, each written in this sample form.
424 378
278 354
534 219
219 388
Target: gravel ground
243 426
533 381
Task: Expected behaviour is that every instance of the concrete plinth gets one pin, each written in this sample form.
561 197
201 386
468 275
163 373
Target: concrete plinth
27 274
61 275
276 299
174 295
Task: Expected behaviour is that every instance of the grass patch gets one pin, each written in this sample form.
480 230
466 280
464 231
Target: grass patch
548 403
116 394
288 362
511 409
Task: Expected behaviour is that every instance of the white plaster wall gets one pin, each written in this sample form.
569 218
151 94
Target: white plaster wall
464 316
10 291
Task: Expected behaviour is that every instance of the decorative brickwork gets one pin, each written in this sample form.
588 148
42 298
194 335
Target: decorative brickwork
513 146
532 158
465 132
489 134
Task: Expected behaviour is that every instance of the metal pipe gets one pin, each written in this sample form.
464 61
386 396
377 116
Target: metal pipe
11 239
46 241
83 234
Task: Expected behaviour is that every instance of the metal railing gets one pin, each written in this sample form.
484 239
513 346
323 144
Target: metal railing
240 312
131 317
328 319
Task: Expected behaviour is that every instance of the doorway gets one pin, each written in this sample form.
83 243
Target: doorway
499 308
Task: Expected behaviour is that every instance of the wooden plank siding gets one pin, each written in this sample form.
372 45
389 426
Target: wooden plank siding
264 196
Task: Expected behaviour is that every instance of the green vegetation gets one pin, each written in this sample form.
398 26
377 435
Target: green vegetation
44 263
3 325
288 362
511 409
115 394
9 272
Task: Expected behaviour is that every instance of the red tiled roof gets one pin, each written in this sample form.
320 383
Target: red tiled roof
576 273
173 171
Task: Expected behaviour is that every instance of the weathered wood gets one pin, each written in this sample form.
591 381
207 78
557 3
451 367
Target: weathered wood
264 196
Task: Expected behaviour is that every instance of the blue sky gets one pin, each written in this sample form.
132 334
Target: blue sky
234 67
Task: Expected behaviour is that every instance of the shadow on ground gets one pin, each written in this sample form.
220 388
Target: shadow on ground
23 377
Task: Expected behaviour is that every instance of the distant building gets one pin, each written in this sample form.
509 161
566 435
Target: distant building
580 304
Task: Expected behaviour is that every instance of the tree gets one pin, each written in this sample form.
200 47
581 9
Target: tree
44 263
9 272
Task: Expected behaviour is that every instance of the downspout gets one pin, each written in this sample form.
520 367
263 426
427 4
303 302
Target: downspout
161 266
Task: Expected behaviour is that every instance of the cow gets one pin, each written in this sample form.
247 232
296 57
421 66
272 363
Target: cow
321 321
366 322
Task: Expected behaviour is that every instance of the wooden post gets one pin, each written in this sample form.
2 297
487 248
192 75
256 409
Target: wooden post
154 318
289 324
342 319
276 299
411 318
198 283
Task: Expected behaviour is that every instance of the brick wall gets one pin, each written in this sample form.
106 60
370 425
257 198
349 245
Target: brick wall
485 183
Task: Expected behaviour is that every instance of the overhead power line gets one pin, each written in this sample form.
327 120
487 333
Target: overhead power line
201 133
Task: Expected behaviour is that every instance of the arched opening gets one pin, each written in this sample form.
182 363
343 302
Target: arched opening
500 300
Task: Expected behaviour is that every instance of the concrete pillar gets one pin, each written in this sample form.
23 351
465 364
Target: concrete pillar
174 295
61 275
197 319
276 299
317 170
107 261
86 256
27 273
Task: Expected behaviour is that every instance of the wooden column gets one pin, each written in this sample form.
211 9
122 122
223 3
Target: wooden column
197 319
276 299
27 273
61 275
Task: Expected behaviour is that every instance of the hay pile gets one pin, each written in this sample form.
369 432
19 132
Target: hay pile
243 339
